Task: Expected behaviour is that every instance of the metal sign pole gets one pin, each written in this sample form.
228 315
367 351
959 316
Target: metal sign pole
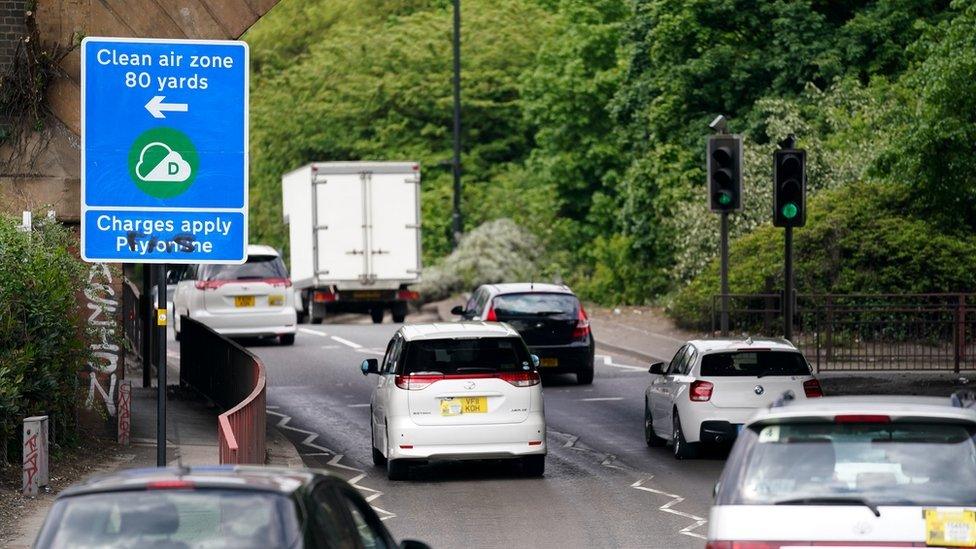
161 366
788 294
724 252
146 316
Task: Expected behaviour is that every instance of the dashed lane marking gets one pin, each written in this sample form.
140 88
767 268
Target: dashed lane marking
334 462
347 343
366 405
600 399
313 332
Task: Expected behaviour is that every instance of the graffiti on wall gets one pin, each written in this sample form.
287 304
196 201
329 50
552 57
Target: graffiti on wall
104 363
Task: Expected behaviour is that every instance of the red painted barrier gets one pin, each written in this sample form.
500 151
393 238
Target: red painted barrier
241 430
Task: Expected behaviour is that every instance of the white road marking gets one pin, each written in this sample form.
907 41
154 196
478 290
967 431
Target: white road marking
312 332
347 343
357 405
600 399
330 347
667 508
323 451
608 361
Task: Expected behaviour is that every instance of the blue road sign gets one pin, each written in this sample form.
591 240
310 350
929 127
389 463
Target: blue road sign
164 135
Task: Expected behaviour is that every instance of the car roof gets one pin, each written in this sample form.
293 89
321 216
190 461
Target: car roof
716 345
261 249
530 287
239 477
895 407
447 330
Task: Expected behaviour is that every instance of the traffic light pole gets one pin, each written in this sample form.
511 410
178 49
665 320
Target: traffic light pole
724 274
788 297
160 329
456 224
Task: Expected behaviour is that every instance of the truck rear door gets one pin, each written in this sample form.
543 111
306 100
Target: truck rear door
394 225
340 215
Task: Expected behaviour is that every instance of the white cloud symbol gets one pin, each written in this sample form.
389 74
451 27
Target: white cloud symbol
171 168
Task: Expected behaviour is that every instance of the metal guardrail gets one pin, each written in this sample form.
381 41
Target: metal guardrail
131 307
232 378
858 332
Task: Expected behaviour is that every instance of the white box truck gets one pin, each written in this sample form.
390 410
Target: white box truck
354 229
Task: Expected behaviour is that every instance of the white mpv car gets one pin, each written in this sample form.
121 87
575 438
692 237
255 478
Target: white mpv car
456 391
254 299
866 472
712 386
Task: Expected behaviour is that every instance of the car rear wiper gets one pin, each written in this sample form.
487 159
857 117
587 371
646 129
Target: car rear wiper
832 500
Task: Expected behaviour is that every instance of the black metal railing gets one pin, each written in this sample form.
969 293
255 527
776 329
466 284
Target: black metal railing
866 331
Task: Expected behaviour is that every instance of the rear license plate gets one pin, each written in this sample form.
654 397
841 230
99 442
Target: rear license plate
950 528
549 362
464 405
276 300
243 300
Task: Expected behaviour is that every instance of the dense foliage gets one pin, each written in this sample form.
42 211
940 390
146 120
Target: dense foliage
41 347
585 123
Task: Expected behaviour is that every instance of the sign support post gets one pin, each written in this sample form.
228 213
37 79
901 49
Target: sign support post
160 331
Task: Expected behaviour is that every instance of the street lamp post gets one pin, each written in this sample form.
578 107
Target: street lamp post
456 215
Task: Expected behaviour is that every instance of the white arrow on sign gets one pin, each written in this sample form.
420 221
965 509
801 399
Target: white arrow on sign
156 107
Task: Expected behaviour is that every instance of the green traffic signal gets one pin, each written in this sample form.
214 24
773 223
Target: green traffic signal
724 199
789 210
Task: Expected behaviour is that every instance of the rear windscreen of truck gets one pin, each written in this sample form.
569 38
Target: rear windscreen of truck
257 267
754 363
466 356
536 304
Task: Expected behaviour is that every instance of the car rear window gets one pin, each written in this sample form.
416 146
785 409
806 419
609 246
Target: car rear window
466 356
754 363
536 304
914 463
256 267
172 518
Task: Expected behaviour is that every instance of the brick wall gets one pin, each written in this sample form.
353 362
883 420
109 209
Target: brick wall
12 29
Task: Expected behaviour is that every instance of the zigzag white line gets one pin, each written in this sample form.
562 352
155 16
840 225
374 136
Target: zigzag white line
667 508
334 462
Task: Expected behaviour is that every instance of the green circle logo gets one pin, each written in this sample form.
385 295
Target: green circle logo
163 162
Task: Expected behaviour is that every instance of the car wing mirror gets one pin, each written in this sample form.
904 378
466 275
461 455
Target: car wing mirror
370 366
656 369
457 310
715 489
535 361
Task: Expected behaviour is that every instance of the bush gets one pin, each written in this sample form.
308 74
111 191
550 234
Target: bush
42 348
861 238
497 251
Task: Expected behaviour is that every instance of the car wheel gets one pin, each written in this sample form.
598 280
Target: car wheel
379 459
377 315
682 448
399 312
650 437
585 377
399 318
534 466
287 339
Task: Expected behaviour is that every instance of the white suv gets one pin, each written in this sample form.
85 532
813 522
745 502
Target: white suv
254 299
712 386
877 472
456 391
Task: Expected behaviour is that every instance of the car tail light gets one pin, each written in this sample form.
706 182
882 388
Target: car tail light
582 328
416 382
324 296
408 295
701 391
491 316
535 443
282 282
744 545
521 379
812 388
169 485
209 284
862 418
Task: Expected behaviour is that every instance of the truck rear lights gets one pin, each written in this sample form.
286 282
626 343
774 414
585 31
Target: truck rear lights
812 389
862 418
408 295
701 391
324 296
582 329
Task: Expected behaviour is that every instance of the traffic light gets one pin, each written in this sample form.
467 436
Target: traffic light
789 188
724 166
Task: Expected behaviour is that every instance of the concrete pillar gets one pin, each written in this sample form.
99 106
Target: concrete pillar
35 451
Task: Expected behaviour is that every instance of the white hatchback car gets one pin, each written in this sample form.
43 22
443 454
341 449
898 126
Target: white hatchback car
456 391
865 472
712 386
254 299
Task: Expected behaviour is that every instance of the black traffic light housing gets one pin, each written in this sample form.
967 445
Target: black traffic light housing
789 188
724 167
